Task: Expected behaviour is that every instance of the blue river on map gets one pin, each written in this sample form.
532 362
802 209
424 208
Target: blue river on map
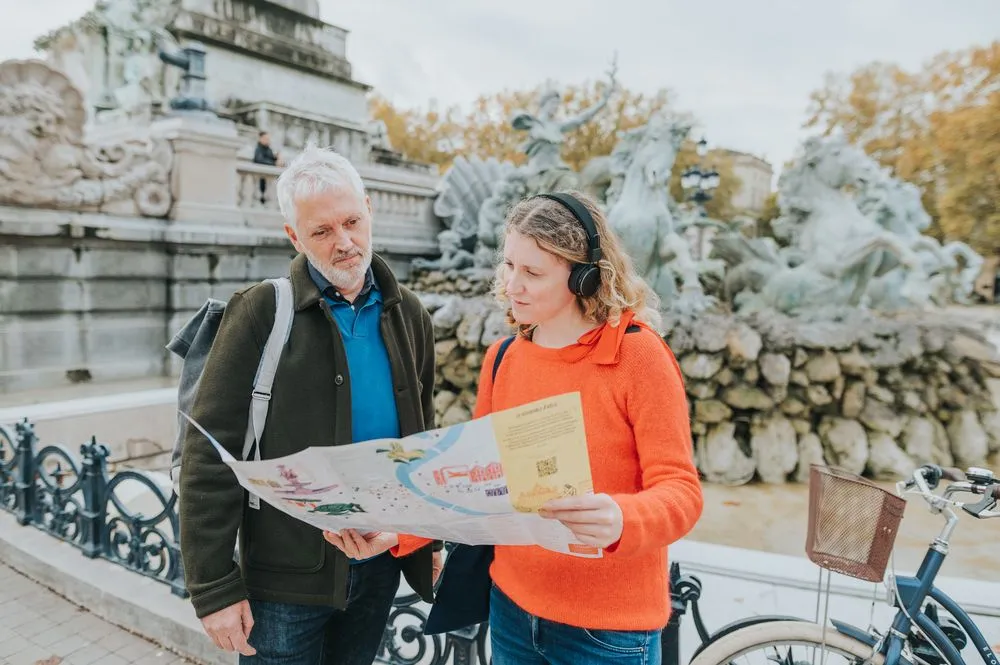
405 471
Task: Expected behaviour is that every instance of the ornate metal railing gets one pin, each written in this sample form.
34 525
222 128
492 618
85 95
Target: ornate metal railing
405 643
81 503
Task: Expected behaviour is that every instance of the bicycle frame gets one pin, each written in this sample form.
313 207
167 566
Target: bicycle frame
912 593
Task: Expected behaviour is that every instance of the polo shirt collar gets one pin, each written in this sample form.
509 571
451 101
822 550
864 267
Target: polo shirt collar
333 293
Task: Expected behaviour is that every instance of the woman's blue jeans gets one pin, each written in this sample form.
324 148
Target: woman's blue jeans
519 638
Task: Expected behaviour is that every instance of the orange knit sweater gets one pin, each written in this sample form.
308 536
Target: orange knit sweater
639 441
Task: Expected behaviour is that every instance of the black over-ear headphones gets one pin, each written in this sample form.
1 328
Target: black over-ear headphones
584 278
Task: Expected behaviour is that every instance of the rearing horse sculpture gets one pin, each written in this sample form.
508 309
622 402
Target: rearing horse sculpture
640 168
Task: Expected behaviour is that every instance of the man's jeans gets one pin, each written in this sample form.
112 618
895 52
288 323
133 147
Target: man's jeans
519 638
320 635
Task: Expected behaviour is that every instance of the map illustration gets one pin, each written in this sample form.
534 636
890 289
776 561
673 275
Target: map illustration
477 482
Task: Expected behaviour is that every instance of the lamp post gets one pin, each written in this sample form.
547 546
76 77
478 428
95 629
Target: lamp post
698 183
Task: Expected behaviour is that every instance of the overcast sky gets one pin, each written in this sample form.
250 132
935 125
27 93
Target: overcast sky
743 67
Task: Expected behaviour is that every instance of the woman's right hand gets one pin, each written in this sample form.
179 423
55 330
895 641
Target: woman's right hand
358 546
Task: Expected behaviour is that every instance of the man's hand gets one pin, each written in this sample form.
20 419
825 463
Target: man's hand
595 519
357 546
437 565
230 628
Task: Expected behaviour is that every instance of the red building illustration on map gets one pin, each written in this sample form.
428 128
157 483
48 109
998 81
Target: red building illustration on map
470 474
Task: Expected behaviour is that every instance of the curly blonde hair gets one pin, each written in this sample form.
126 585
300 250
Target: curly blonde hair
558 232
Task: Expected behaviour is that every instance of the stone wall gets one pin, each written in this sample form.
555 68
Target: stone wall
770 395
89 297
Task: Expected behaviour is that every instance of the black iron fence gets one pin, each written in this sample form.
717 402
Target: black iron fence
81 503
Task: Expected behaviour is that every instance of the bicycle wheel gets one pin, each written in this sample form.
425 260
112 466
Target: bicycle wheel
776 642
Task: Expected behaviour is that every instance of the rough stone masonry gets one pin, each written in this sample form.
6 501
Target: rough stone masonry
770 395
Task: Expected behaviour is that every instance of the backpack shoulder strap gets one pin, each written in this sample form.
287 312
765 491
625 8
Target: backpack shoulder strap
268 366
500 353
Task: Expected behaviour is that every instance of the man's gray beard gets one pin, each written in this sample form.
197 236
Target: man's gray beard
343 278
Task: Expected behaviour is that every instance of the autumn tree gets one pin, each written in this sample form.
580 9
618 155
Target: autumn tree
484 131
423 136
968 204
938 128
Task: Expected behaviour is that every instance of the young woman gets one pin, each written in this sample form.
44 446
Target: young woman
585 322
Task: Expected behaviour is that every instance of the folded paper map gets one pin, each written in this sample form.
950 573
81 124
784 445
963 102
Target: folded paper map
480 482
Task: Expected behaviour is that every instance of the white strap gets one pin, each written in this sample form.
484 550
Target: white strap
268 366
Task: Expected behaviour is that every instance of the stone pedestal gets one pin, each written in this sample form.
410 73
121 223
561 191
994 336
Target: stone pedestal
203 181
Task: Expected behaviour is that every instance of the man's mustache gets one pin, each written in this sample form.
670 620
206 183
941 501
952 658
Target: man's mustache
348 255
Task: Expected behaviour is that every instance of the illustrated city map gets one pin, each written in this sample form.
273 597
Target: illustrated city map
478 482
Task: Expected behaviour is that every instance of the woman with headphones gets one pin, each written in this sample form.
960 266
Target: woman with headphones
586 322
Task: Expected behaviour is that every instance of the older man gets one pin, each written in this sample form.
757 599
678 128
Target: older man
358 365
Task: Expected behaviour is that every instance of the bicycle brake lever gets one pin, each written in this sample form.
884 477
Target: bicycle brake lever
984 508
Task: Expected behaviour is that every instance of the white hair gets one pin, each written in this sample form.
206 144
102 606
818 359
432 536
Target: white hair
313 171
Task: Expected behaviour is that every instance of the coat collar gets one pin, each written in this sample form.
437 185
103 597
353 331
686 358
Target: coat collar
308 294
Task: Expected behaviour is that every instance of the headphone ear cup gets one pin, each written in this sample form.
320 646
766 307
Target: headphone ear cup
584 279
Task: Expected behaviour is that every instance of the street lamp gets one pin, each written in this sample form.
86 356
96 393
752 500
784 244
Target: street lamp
698 183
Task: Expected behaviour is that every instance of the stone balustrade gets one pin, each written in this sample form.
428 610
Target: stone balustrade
401 201
255 187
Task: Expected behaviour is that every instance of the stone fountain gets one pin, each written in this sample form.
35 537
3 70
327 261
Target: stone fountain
830 343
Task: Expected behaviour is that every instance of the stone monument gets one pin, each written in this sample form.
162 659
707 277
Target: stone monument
274 66
632 183
639 210
474 194
127 194
111 55
827 345
545 169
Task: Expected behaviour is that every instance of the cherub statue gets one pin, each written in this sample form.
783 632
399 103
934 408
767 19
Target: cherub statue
492 214
453 256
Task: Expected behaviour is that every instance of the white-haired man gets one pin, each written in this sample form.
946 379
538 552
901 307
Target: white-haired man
358 365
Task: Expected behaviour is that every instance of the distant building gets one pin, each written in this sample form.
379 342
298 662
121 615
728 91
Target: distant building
755 176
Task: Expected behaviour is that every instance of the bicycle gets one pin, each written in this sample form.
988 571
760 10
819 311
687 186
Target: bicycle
851 536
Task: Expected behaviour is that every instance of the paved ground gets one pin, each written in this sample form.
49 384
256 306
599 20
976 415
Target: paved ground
39 627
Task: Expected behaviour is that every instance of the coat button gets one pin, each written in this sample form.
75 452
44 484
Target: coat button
339 379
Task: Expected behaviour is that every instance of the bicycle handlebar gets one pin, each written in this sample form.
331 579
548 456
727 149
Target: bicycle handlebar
933 474
975 480
953 474
930 475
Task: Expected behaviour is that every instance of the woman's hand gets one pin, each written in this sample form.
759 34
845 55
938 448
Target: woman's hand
358 546
595 519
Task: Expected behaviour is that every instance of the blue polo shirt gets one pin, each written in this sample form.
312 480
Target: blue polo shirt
373 401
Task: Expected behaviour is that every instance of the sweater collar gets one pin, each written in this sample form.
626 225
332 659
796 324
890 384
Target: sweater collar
605 342
601 345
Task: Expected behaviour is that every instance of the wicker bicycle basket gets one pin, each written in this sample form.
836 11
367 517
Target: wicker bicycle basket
852 523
